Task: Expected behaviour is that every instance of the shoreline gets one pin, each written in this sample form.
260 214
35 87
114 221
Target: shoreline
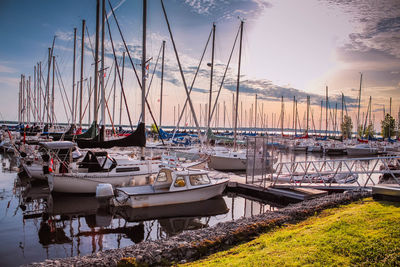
192 245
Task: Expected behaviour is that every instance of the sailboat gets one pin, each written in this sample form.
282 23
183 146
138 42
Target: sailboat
234 160
98 167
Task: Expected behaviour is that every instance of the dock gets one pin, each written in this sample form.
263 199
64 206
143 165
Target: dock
274 194
386 192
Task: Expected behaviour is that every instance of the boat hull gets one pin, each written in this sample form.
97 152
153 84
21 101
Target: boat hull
222 163
34 171
353 151
67 183
171 197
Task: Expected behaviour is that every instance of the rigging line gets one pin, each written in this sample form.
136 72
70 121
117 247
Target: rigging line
126 47
89 97
151 80
119 74
113 86
191 86
223 77
106 84
181 71
133 66
90 42
59 75
62 98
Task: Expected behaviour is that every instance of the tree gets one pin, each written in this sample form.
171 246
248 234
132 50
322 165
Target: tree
347 127
388 124
369 131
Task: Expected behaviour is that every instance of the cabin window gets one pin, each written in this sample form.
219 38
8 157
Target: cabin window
162 177
199 179
130 169
180 181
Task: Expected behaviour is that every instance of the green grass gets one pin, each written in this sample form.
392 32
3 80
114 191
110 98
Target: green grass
363 233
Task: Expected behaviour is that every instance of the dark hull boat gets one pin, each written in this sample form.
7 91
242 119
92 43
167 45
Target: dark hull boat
69 136
137 138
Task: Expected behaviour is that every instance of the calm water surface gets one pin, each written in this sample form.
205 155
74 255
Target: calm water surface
36 225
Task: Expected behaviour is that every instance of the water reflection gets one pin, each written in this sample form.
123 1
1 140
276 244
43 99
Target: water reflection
37 225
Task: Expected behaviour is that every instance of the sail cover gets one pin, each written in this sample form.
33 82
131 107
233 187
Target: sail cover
137 138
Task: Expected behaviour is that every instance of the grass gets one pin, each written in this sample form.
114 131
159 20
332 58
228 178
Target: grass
363 233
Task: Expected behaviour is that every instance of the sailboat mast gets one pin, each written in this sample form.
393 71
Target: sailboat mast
308 113
211 77
144 67
96 65
237 85
73 79
52 93
282 115
103 93
342 115
359 102
162 81
122 82
326 111
294 111
81 79
255 114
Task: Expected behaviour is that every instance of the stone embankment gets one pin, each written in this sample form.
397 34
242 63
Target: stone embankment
192 245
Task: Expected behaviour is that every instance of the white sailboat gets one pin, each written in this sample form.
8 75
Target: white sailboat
99 167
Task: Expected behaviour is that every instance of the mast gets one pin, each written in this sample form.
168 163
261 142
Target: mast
296 117
342 115
320 118
143 68
73 79
34 95
308 113
326 111
120 101
103 93
335 128
96 65
81 80
162 81
294 111
48 86
282 114
359 102
237 84
211 77
52 93
255 114
115 88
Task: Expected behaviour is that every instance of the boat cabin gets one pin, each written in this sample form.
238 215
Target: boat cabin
172 180
97 162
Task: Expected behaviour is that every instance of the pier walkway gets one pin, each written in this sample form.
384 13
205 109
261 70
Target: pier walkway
309 179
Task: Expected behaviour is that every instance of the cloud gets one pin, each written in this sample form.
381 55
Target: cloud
201 6
10 81
6 69
227 10
378 25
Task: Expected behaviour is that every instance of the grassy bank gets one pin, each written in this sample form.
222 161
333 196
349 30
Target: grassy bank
362 233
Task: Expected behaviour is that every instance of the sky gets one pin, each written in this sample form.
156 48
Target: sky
289 48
